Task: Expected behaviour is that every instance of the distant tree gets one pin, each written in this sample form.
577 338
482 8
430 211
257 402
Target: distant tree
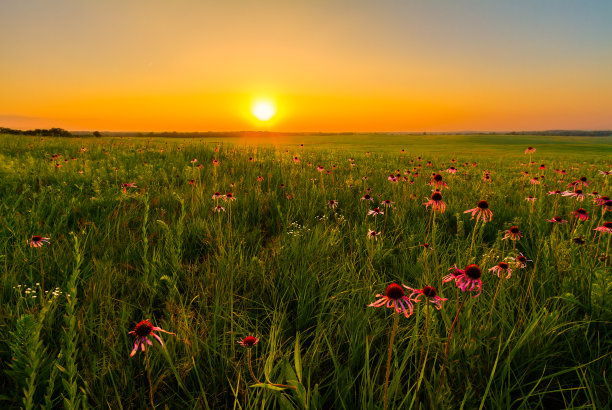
97 134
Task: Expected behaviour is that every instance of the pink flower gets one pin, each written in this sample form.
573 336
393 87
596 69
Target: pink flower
577 193
375 212
372 234
436 202
395 298
438 182
513 233
332 203
142 331
557 220
468 279
530 150
37 241
430 294
500 269
581 214
606 227
481 211
248 341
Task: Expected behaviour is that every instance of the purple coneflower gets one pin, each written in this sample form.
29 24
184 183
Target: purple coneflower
248 341
556 192
375 211
468 279
372 234
395 298
436 202
606 227
332 203
451 170
581 214
513 233
217 195
481 211
557 220
229 197
502 268
387 203
367 197
530 150
530 198
577 193
430 294
437 181
218 208
37 241
142 331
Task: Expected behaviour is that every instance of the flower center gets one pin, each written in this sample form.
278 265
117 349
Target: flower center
249 341
503 265
430 291
394 291
557 218
436 196
483 205
36 238
143 328
607 225
514 229
437 178
581 211
583 179
473 271
578 192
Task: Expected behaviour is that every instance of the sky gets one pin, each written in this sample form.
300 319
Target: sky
326 65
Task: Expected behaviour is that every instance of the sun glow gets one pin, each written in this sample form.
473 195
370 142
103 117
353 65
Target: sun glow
263 110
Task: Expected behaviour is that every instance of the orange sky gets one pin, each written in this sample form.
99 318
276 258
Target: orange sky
329 65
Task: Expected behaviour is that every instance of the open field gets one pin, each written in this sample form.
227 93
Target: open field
279 262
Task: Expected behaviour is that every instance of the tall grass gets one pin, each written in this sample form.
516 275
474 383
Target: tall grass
280 264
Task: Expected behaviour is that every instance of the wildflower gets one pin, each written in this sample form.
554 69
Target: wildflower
557 192
142 331
601 200
530 150
530 198
581 214
502 268
37 241
557 220
606 227
387 203
513 233
375 211
543 166
437 181
367 197
451 170
520 261
248 341
192 182
372 234
260 178
395 298
605 173
332 203
217 195
535 181
215 162
481 211
430 294
582 181
218 208
320 168
229 197
468 279
577 193
193 161
436 202
296 159
127 185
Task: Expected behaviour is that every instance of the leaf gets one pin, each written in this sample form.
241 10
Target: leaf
268 386
298 358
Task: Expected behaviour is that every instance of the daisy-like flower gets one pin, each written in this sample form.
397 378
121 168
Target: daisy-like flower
248 341
296 159
582 181
215 162
601 200
543 166
332 203
229 197
127 185
486 178
192 182
577 193
451 170
556 192
37 241
481 211
375 212
606 227
217 195
436 202
502 268
605 173
395 298
372 234
218 208
607 205
513 233
367 197
260 178
557 220
387 203
581 214
193 161
530 198
430 294
535 181
520 261
437 181
142 331
320 168
468 279
530 150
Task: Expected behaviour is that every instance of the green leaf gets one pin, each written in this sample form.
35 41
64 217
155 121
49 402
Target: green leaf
268 386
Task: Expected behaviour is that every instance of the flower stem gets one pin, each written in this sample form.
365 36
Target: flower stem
251 368
450 332
149 378
389 354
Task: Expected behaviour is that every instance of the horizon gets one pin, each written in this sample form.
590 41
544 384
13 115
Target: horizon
342 66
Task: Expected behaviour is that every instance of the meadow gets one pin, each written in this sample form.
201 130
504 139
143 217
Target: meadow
294 257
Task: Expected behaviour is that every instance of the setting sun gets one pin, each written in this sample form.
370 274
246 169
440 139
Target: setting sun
263 110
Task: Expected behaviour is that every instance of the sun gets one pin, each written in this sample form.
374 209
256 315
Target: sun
263 110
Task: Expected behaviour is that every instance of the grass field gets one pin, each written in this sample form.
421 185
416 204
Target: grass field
278 262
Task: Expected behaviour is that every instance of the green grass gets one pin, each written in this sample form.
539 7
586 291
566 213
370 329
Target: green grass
299 274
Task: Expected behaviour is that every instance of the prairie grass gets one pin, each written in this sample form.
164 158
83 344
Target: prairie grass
280 264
